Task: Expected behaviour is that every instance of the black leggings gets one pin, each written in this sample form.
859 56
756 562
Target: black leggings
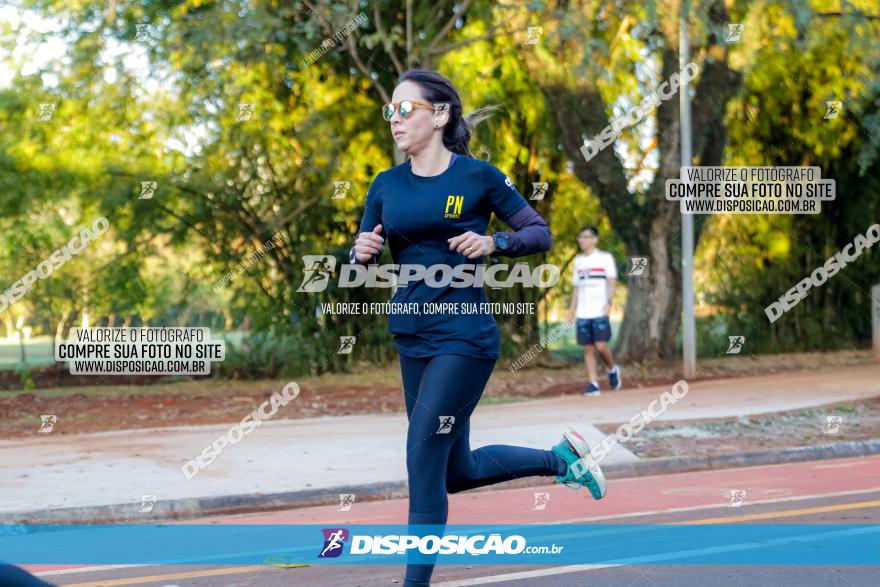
438 454
11 576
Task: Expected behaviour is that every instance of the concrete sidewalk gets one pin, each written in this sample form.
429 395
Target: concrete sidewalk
341 454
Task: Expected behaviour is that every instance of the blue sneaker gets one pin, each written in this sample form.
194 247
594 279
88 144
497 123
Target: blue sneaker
592 389
582 467
614 378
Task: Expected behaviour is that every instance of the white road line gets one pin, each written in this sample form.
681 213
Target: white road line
85 570
843 465
523 575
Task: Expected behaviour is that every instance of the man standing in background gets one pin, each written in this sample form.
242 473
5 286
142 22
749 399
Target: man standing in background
595 278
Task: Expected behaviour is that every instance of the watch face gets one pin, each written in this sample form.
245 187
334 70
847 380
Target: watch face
501 241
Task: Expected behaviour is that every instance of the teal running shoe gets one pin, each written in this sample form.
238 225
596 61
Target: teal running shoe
583 470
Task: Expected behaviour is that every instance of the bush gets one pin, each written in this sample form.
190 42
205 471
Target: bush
24 373
265 355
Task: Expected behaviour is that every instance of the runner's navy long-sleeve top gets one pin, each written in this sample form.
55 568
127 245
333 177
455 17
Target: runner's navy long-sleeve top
418 214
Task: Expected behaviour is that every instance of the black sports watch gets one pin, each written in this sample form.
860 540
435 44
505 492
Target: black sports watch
500 240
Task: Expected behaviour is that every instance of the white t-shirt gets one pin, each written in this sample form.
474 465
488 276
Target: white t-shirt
591 275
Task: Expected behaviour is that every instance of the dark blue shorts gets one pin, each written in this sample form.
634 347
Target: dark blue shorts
592 330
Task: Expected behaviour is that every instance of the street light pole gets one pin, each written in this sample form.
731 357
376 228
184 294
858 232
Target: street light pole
688 326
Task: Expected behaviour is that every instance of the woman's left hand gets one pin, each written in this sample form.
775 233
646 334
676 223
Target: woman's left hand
472 245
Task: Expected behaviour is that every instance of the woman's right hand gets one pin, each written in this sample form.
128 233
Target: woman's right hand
368 244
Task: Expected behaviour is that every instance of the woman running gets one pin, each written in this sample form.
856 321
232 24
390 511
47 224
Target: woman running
434 209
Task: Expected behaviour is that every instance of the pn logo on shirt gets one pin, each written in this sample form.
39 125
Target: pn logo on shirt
455 203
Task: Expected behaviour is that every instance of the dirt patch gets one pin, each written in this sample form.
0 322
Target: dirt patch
79 412
846 421
99 406
56 375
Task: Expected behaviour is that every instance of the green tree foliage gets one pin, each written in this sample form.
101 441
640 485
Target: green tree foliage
220 104
748 261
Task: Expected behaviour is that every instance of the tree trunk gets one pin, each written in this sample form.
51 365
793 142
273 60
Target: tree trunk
399 156
649 225
183 317
10 325
653 301
59 332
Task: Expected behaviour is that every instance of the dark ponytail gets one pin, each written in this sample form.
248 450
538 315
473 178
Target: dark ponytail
458 131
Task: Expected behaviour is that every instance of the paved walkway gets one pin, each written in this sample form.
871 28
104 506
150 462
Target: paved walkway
60 471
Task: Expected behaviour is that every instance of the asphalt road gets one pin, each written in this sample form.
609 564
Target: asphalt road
841 491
